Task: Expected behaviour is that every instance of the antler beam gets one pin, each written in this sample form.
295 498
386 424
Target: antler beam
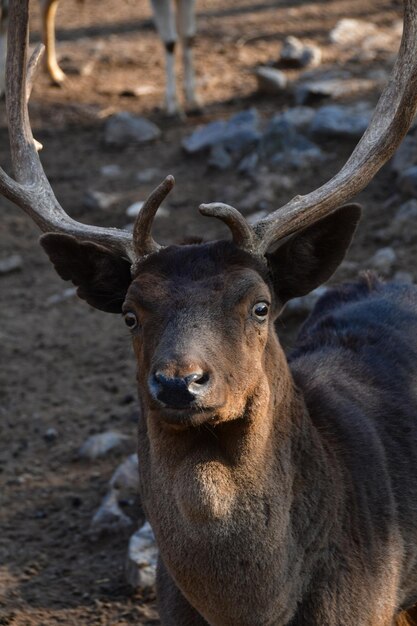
389 124
31 190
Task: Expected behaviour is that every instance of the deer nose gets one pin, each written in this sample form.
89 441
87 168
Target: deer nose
178 391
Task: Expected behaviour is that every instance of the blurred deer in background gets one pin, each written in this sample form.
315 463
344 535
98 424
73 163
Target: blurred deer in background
168 15
281 492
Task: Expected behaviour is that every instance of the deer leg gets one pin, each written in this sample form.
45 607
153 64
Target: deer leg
165 24
187 31
3 45
49 9
174 610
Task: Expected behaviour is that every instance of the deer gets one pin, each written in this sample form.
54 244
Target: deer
174 19
281 490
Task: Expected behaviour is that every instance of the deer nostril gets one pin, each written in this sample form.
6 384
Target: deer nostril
197 378
178 390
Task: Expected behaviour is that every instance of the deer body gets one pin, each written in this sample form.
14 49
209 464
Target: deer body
290 511
174 20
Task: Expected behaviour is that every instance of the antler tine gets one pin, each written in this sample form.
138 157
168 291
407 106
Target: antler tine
31 190
390 122
143 242
243 235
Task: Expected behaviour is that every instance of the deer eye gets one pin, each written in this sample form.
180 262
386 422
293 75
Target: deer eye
260 311
131 320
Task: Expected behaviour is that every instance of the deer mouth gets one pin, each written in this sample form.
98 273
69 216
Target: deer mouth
189 418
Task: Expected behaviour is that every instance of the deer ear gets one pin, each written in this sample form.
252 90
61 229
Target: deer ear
310 257
101 276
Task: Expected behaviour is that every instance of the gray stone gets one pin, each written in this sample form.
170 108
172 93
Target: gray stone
142 558
334 88
220 158
341 121
50 435
10 264
407 181
383 261
403 225
406 155
57 298
365 37
205 136
299 117
349 31
111 171
99 445
109 518
93 199
125 478
123 128
305 304
134 209
255 217
270 80
297 159
295 53
238 133
283 145
249 163
148 175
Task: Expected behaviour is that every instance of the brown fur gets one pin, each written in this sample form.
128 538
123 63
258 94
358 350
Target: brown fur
279 492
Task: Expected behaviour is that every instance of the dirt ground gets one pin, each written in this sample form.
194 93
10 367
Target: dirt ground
68 367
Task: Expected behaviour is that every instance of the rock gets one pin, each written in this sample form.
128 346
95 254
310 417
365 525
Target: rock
349 31
262 197
99 445
299 117
10 264
334 88
237 134
50 435
295 53
297 159
134 209
403 225
57 298
406 155
365 37
282 144
93 200
255 217
123 129
407 181
403 277
109 518
220 159
270 80
383 261
125 478
142 558
305 304
205 137
123 485
111 171
335 120
148 175
249 163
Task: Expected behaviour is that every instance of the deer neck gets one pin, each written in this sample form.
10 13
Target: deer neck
240 496
210 474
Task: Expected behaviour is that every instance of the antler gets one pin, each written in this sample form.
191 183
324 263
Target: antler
31 190
389 124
